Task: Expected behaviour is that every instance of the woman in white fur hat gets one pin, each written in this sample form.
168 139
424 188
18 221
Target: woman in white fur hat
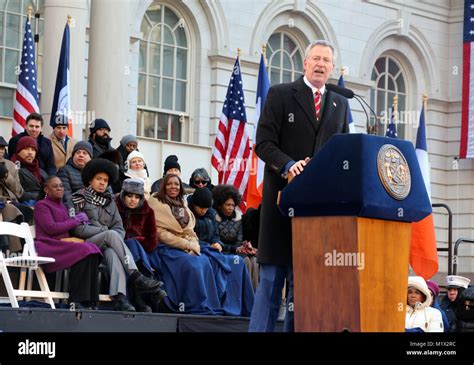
420 317
135 166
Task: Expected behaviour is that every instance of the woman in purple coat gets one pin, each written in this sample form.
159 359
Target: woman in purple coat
52 224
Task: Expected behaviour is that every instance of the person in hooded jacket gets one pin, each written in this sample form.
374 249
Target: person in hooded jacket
420 316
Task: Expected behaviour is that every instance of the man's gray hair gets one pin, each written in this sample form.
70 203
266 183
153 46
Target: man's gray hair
320 42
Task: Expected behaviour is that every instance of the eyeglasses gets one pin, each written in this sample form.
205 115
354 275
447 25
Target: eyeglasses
200 182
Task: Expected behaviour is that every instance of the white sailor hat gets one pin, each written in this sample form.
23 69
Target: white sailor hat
456 281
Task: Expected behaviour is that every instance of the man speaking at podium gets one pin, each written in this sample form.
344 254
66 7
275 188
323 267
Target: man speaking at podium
296 121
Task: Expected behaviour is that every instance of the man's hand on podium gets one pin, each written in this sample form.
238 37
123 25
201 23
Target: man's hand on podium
297 168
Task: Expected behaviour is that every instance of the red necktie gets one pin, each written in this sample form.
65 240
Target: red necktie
317 104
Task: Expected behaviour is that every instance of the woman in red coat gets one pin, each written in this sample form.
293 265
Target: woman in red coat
140 234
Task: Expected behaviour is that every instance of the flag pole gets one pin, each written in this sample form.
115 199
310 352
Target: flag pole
264 53
395 108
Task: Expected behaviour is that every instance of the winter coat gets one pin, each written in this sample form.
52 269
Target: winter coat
45 152
139 224
31 187
70 176
230 230
423 316
168 228
102 218
11 187
449 308
278 142
61 156
97 149
52 222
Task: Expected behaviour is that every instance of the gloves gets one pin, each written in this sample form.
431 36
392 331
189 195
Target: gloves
82 218
194 247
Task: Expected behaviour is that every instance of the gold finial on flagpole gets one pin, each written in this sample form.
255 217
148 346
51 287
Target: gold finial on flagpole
239 51
69 20
425 99
342 70
264 52
29 12
395 107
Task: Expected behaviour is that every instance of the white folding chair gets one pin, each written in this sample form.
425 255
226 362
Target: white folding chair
29 260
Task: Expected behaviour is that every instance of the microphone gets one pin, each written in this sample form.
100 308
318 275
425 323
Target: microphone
349 94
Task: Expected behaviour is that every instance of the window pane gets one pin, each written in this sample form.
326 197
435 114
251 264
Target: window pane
142 57
392 67
149 128
141 89
176 128
401 84
155 35
381 83
268 53
275 76
391 84
154 66
274 41
286 76
380 102
167 100
275 62
153 91
41 36
14 6
155 15
2 16
6 102
170 18
298 62
181 63
145 28
180 96
286 62
12 31
403 117
162 126
180 35
288 44
380 65
1 63
168 37
11 61
3 4
168 61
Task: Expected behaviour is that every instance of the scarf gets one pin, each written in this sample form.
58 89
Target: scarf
31 167
179 211
137 174
90 196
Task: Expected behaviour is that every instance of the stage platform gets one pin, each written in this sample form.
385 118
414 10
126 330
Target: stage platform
42 320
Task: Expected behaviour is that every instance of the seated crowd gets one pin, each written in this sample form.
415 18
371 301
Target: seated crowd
166 246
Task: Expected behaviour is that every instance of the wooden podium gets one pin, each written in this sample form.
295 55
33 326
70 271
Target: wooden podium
352 274
351 212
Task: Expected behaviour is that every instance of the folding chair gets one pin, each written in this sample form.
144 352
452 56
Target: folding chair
29 260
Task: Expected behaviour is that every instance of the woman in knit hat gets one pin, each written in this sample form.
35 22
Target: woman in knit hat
106 231
140 236
434 291
135 168
128 144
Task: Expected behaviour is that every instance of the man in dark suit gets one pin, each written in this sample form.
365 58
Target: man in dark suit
296 121
34 126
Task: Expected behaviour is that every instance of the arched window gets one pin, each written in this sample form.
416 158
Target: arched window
389 81
163 75
285 58
12 28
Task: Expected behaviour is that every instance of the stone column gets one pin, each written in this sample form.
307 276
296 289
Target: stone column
55 18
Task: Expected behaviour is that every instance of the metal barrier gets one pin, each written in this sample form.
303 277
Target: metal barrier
456 247
449 249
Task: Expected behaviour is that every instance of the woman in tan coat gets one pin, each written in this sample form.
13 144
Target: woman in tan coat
197 277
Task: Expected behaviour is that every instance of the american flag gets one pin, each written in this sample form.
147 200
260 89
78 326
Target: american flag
231 152
467 123
392 127
26 99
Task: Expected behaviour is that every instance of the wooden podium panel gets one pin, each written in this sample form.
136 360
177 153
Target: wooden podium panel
350 274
